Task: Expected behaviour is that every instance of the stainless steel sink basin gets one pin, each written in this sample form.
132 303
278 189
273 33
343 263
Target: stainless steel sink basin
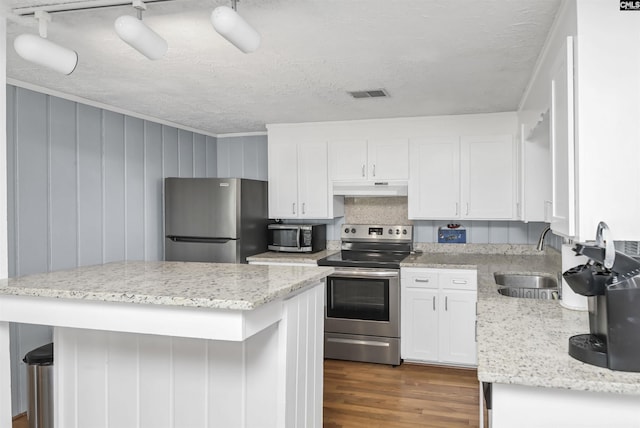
527 286
525 281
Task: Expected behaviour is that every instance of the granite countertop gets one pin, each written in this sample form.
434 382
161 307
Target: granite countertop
279 257
525 341
208 285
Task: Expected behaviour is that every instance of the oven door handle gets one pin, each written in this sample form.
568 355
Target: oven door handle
368 274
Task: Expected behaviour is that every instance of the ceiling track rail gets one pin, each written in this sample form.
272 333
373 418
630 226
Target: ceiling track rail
74 6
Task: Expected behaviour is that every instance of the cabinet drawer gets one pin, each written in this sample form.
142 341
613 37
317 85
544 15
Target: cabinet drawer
417 279
459 280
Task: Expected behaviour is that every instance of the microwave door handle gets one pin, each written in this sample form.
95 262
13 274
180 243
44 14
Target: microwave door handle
298 238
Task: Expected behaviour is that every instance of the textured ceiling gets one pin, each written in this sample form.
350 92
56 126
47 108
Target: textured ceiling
432 56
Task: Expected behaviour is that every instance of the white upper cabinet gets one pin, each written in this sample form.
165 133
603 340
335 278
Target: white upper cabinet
313 179
534 201
283 180
462 178
589 79
313 166
388 159
488 177
299 181
369 160
434 182
563 214
348 160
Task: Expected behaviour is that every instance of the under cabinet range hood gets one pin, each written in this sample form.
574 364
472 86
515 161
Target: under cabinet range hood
370 188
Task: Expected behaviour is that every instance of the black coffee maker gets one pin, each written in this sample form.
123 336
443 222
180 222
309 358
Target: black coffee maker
611 280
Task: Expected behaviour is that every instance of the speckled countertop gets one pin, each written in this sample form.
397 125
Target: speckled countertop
209 285
278 257
525 341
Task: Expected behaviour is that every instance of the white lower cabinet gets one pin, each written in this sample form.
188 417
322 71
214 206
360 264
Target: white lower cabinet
438 315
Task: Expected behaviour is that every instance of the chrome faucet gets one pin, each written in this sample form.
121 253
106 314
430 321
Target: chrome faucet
541 239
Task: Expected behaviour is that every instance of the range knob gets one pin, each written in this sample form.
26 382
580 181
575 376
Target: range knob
346 230
397 231
390 231
353 230
404 231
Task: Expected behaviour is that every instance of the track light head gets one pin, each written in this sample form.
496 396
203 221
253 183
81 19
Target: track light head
139 36
45 53
235 29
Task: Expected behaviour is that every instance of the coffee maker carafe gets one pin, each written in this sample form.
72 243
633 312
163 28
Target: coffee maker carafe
611 280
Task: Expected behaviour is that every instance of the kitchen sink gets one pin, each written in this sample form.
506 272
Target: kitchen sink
527 286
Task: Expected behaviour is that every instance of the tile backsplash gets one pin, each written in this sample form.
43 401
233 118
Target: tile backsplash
387 210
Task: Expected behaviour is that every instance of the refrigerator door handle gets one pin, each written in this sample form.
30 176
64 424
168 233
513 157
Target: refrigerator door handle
200 240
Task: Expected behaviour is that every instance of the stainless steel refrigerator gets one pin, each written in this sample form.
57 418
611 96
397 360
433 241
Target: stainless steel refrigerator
220 220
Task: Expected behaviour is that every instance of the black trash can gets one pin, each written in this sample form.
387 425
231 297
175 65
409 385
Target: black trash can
40 386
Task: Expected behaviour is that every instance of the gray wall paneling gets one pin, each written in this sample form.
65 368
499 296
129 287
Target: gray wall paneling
185 153
89 185
153 231
62 202
483 232
134 190
114 188
244 157
85 187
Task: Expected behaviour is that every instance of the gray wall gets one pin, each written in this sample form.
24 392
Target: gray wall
244 157
85 187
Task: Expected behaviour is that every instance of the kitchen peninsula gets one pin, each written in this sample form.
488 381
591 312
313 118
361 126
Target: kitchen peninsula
152 344
523 349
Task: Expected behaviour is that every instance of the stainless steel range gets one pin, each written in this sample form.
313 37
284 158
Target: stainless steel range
362 315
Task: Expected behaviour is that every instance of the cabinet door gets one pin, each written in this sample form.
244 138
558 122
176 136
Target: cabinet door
535 171
348 160
457 342
419 324
313 180
388 159
488 177
283 180
562 144
434 178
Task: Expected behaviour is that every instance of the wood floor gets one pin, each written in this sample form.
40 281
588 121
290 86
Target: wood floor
20 421
361 395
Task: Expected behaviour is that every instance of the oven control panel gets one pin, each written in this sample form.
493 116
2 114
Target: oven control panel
377 232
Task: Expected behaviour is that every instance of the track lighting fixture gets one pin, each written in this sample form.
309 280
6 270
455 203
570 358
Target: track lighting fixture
234 28
39 50
138 35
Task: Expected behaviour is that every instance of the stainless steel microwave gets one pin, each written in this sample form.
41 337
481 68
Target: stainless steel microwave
297 238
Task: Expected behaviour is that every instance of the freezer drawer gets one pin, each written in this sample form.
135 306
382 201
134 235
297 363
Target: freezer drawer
218 250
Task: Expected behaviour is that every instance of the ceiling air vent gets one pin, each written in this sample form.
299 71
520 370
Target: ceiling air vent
372 93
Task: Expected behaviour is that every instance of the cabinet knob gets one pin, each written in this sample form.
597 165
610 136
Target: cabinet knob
293 208
303 208
363 170
434 303
374 170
